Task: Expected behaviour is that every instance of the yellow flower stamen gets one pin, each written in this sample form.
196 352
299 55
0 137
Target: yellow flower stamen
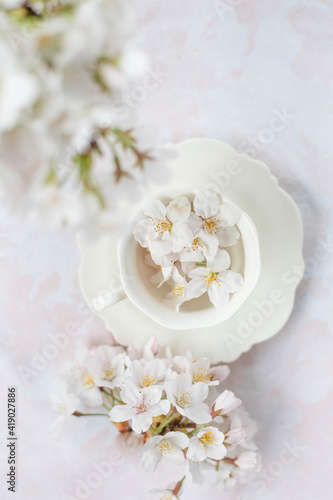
212 225
208 438
196 245
202 375
184 399
161 226
178 291
87 379
148 380
212 279
165 447
108 371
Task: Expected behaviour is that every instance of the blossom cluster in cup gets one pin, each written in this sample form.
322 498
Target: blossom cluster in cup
186 243
173 404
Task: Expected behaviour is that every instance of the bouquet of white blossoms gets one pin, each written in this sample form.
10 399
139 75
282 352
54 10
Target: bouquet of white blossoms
68 156
172 403
186 243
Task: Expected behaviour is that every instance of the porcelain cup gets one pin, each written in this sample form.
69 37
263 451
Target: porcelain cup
197 313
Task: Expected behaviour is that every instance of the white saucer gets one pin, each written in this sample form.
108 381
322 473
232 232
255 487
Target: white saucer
213 165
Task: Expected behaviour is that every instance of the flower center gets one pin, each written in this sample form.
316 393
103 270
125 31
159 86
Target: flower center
61 409
202 375
184 399
178 291
212 225
165 447
108 372
148 380
141 407
212 279
195 245
208 438
87 379
161 226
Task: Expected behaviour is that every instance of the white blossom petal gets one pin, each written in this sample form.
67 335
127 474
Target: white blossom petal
150 458
229 214
228 236
219 294
181 235
144 232
162 408
195 223
221 261
233 280
178 438
155 209
179 210
196 451
196 288
206 204
216 452
220 373
198 413
121 413
141 422
235 436
226 402
247 460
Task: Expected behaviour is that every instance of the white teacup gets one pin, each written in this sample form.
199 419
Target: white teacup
196 313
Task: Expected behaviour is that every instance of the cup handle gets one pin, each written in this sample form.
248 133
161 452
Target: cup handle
107 299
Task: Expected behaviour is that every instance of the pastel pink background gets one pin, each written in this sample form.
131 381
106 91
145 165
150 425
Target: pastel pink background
227 71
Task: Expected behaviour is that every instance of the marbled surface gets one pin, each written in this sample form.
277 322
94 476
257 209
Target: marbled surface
226 69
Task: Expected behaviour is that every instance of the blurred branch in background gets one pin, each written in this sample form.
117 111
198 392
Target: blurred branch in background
68 156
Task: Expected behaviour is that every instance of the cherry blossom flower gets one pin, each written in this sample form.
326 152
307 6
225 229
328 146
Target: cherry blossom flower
165 494
201 371
81 381
145 373
169 446
177 296
165 230
215 279
240 418
178 364
203 247
188 398
108 366
140 407
164 269
215 220
177 428
235 436
148 351
247 460
194 472
226 402
64 405
207 443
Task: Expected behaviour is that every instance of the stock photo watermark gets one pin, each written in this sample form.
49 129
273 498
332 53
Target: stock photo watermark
265 308
130 101
221 178
274 469
277 124
101 471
